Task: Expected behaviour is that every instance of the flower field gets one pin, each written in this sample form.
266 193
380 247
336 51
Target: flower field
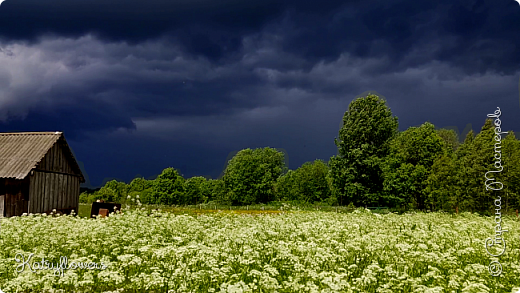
285 252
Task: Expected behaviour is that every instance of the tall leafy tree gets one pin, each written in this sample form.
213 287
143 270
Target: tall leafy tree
475 157
477 162
468 180
197 190
251 175
115 190
356 173
139 184
511 174
308 183
218 191
168 188
442 186
450 138
412 154
313 184
106 193
142 188
286 187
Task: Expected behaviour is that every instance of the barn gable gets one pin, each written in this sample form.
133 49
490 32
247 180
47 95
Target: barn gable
22 152
38 173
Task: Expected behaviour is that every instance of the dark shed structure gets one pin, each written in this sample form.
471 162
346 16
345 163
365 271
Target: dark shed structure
38 173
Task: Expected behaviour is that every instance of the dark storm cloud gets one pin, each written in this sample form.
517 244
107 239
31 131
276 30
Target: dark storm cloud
129 19
482 36
107 85
186 83
74 121
474 35
468 33
207 28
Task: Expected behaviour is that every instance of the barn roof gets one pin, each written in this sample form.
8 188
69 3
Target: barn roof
20 152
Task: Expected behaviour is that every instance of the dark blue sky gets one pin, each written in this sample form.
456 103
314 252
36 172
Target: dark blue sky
138 86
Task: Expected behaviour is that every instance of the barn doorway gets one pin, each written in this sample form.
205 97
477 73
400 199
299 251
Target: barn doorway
2 197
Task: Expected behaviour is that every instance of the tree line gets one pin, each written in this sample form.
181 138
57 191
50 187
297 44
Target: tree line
420 168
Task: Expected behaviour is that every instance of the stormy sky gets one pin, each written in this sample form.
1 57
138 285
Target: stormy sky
138 86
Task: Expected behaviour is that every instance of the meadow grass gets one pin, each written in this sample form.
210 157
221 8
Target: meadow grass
84 210
236 251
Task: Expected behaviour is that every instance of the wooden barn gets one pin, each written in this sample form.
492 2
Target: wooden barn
38 173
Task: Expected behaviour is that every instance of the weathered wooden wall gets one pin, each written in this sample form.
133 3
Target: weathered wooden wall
50 191
56 161
53 183
15 200
2 196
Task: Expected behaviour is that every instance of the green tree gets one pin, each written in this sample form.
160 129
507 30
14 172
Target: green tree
286 187
468 179
333 198
145 196
307 184
139 184
475 157
510 157
197 190
218 191
356 173
407 168
477 160
251 175
107 194
168 188
442 186
114 190
450 138
142 188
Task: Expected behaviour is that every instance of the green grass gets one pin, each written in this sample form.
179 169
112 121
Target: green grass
84 210
234 251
